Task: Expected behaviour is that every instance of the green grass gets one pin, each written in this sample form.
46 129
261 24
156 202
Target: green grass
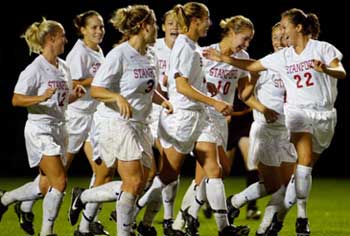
328 209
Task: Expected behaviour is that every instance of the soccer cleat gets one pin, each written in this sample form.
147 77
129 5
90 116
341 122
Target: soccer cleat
253 214
25 219
3 208
232 230
146 230
302 227
78 233
274 227
232 212
168 229
192 224
96 228
207 211
113 216
76 205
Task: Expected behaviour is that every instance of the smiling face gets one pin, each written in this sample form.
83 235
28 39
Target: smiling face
58 41
203 25
290 31
170 28
277 39
93 31
240 40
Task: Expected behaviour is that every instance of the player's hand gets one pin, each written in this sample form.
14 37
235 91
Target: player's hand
79 91
212 89
49 92
318 65
168 106
212 54
223 107
125 109
270 115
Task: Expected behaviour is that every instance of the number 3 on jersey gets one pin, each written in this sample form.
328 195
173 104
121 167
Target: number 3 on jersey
150 85
308 82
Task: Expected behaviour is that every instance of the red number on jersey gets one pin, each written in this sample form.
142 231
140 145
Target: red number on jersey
308 81
226 87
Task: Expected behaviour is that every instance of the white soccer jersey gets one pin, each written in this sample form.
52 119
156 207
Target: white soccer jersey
83 63
224 76
305 86
39 76
162 52
185 60
270 91
132 75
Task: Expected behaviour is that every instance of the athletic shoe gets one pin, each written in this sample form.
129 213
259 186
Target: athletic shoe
232 212
146 230
25 219
192 224
253 214
274 227
302 227
168 229
232 230
96 228
76 205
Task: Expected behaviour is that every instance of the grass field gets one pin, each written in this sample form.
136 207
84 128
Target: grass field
328 209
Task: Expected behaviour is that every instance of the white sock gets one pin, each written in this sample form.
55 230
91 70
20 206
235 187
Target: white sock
27 206
303 182
190 194
51 205
252 192
97 213
199 199
216 197
156 186
153 192
290 197
89 214
168 195
92 180
107 192
29 191
271 208
125 207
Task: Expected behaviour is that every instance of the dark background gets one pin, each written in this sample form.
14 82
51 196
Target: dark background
14 57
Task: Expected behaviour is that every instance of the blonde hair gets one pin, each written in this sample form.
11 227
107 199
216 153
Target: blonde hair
171 13
185 13
129 20
236 23
36 33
